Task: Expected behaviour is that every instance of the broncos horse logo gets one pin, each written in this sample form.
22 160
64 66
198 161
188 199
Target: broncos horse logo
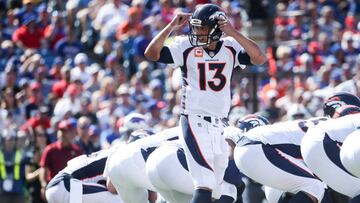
218 15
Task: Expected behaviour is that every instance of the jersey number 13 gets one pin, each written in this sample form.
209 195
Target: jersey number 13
218 68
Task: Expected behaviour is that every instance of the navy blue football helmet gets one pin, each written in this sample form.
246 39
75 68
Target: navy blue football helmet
206 15
251 121
338 100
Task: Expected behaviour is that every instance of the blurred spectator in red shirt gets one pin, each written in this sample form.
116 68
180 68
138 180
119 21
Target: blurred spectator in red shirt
28 35
314 50
69 103
57 154
59 87
41 119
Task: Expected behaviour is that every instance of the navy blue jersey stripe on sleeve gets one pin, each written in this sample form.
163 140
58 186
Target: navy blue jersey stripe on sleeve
184 67
184 75
232 50
165 56
244 58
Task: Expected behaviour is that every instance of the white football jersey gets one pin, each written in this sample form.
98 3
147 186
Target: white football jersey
289 132
206 79
338 129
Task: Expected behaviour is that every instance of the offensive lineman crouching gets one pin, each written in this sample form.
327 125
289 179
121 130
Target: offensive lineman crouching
82 181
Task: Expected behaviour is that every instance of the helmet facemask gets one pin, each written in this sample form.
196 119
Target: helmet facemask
213 33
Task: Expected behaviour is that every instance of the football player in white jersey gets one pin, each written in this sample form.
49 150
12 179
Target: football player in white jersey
207 62
271 156
320 148
82 181
125 168
286 138
350 153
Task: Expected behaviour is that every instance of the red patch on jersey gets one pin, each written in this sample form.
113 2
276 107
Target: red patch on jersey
199 53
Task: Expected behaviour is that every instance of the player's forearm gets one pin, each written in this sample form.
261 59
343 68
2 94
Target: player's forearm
256 55
153 50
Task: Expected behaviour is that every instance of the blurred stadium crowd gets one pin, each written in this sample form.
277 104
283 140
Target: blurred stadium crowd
78 66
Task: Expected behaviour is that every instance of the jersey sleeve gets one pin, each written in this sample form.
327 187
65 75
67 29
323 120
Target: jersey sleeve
177 47
242 58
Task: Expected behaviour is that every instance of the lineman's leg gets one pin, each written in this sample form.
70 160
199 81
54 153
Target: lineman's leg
273 168
322 156
166 169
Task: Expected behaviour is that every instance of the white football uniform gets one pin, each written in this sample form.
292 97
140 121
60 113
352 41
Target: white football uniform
168 172
126 167
82 181
320 149
350 153
271 155
206 77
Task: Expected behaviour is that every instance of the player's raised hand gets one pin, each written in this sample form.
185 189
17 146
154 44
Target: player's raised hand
179 20
226 26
